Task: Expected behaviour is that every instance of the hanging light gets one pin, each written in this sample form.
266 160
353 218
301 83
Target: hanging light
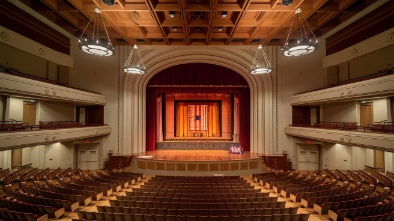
96 45
260 64
304 45
134 64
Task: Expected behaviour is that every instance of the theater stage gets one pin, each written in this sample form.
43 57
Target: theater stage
196 143
196 163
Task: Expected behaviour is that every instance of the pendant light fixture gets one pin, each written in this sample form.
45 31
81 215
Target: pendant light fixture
134 63
96 45
260 64
304 44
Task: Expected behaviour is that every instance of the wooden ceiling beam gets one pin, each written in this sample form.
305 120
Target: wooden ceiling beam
121 3
196 7
228 7
136 7
168 7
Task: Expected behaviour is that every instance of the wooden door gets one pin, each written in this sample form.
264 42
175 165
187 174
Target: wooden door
29 112
366 114
16 158
379 159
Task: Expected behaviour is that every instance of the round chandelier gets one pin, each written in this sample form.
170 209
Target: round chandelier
303 45
134 63
260 63
96 45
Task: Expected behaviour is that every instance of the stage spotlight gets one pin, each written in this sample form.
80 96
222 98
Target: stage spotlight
287 2
109 2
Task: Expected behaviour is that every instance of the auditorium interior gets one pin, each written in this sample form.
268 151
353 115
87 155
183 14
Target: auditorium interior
194 133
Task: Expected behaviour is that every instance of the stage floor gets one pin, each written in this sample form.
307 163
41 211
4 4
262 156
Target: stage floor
197 155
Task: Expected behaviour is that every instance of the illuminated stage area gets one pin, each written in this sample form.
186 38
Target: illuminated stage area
197 163
192 143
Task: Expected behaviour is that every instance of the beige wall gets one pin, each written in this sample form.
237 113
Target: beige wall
33 65
3 103
38 156
372 62
368 57
14 109
5 159
296 75
381 110
11 57
55 111
340 112
101 74
336 156
358 158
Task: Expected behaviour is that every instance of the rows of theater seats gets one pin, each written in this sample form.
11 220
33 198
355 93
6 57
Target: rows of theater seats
381 127
12 125
350 195
59 124
340 194
206 215
19 125
195 198
29 194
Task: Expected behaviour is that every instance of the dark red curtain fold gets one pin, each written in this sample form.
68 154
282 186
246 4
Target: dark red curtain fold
202 75
151 126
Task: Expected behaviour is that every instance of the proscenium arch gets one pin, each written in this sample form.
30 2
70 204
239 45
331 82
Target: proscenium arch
238 59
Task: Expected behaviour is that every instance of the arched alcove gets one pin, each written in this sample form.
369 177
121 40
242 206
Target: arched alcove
237 59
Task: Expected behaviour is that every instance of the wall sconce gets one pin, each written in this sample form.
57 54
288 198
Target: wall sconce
224 14
171 14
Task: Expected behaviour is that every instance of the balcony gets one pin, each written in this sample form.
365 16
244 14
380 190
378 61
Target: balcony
26 138
15 85
382 141
375 87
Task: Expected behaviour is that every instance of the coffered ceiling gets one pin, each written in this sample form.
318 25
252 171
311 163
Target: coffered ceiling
197 22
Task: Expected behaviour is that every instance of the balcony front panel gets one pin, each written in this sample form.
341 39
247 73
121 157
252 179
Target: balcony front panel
12 140
15 85
382 86
380 141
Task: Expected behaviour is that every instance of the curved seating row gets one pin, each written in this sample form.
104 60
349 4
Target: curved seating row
159 217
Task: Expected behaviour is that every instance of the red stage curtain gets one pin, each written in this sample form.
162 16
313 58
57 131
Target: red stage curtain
197 74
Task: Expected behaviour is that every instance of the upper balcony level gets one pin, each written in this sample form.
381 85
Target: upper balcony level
379 85
37 111
22 85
